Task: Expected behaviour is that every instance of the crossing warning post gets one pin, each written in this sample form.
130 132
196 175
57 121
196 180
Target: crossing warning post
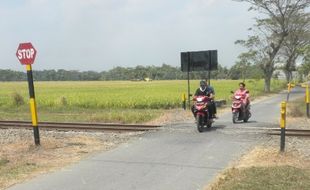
26 54
184 101
283 125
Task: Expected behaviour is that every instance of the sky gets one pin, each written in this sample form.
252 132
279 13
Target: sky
99 35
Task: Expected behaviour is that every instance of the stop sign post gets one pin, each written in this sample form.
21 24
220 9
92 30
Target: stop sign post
26 55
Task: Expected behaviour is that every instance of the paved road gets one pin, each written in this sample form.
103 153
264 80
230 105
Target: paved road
175 157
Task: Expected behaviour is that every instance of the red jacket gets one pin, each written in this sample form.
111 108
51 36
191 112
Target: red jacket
244 95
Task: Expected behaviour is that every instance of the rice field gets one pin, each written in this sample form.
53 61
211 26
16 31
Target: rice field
107 100
117 94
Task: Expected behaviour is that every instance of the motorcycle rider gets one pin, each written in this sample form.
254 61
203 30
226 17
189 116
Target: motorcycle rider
245 97
206 90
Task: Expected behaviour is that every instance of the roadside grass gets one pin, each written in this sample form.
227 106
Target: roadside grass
264 168
297 108
83 115
3 162
11 172
263 178
109 101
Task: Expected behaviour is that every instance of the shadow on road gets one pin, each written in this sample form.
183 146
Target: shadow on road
215 127
241 122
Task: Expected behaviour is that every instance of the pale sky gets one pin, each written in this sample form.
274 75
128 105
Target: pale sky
101 34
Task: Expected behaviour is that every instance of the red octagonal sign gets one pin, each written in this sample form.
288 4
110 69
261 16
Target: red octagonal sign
26 53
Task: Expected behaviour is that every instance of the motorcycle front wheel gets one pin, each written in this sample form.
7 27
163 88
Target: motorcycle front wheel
235 117
200 123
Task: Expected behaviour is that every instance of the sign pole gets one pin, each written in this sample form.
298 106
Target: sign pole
209 70
188 83
26 55
33 107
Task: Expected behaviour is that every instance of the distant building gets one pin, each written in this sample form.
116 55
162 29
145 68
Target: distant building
147 79
279 74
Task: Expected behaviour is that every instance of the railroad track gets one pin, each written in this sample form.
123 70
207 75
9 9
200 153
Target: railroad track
79 126
291 132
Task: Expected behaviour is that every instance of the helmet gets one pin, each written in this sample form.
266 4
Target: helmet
203 83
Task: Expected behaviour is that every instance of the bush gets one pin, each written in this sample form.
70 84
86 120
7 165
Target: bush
3 161
18 99
62 101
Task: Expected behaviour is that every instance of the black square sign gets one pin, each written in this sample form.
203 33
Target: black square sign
199 61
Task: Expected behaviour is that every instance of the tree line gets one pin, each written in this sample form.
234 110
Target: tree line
239 71
164 72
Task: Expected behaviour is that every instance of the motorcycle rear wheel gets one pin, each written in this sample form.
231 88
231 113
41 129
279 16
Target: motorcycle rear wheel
247 117
209 125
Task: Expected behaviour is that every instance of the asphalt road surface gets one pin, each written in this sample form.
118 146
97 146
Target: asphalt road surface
177 157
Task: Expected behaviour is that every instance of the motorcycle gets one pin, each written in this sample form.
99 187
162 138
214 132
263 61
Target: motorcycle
238 114
201 112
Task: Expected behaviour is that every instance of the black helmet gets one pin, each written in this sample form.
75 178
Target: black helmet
203 83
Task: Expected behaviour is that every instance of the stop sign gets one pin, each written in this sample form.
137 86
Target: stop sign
26 53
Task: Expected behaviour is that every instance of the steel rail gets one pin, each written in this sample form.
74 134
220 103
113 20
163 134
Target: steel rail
292 132
84 124
79 126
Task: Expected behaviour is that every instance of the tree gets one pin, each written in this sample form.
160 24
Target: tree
271 31
295 43
220 73
244 62
304 69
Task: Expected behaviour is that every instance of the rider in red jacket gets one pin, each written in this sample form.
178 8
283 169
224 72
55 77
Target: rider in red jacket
244 93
